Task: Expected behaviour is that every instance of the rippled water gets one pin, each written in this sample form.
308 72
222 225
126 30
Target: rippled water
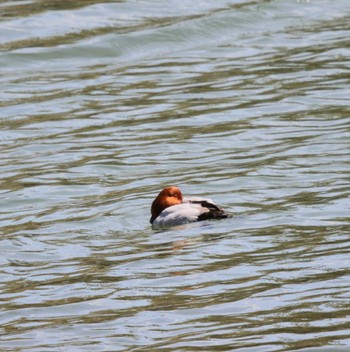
103 103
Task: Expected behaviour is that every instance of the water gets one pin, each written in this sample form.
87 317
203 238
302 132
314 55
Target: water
105 103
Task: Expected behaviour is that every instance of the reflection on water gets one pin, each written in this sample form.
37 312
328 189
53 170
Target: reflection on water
105 103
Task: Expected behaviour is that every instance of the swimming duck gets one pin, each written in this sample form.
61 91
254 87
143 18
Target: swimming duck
170 208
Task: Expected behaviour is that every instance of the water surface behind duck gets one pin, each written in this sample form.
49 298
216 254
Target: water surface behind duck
103 104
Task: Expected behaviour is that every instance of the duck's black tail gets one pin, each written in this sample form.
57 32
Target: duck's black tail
214 212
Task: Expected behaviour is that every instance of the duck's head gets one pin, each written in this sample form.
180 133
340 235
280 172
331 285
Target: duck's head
166 198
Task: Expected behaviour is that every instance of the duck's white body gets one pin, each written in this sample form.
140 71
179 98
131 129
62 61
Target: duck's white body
171 209
183 213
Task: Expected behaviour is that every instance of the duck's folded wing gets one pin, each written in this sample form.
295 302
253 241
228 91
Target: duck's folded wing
205 203
212 210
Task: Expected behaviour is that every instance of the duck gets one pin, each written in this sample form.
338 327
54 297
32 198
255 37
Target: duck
170 208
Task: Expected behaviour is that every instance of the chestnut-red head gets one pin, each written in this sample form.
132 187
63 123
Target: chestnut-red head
166 198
